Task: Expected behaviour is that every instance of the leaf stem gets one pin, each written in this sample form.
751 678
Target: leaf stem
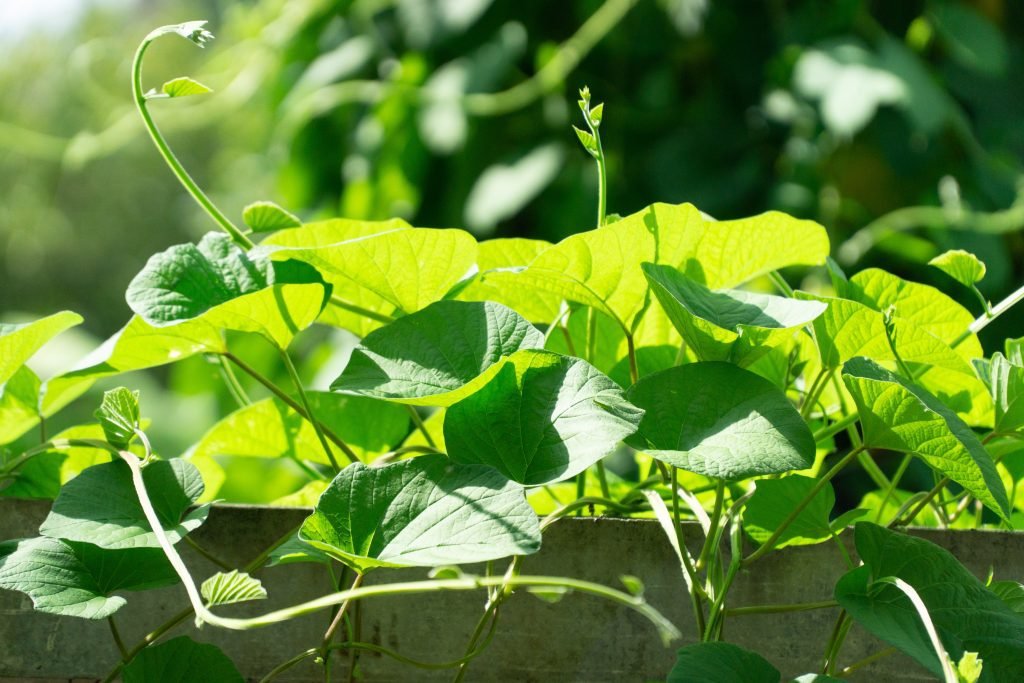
769 544
336 622
207 554
117 637
418 421
893 483
781 609
317 427
881 654
165 151
234 387
291 403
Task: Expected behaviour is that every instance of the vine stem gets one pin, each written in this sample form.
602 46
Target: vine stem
165 150
292 403
336 622
791 517
780 609
418 422
117 637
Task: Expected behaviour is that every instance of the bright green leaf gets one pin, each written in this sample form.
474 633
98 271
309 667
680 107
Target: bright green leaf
408 268
775 499
718 662
295 550
119 416
438 355
218 281
423 512
184 87
100 506
966 615
721 421
18 343
228 588
587 140
1010 592
900 416
181 660
79 579
266 216
962 266
541 419
19 401
1006 381
506 255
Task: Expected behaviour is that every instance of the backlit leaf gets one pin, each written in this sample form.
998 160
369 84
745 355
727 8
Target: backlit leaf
19 400
775 499
900 416
18 343
962 266
228 588
721 421
100 506
542 418
438 355
268 217
184 87
119 416
422 512
511 255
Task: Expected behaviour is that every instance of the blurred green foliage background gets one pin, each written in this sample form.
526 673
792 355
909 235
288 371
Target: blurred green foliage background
896 125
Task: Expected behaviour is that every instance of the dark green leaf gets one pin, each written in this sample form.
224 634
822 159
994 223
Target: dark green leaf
423 512
542 418
721 421
79 579
966 615
438 355
181 660
716 662
100 506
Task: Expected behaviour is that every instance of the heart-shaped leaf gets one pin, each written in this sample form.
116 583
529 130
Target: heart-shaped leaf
119 416
79 579
717 662
408 268
721 421
423 512
438 355
100 506
18 343
901 416
181 660
510 255
218 281
712 321
542 418
966 615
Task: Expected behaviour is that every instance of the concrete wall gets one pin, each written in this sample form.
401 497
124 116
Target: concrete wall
580 638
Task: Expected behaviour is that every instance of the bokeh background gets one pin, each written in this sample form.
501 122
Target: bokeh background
897 125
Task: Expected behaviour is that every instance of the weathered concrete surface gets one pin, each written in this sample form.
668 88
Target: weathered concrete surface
580 638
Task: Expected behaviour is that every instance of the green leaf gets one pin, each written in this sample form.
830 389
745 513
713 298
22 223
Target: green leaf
847 329
506 255
587 140
184 87
541 419
407 268
970 37
137 346
181 660
597 114
712 321
925 306
191 31
271 429
1006 381
1010 592
966 615
18 343
228 588
79 579
268 217
438 355
717 662
295 550
721 421
119 416
962 266
775 499
900 416
100 506
218 281
19 400
423 512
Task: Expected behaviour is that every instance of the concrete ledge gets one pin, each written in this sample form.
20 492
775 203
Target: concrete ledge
581 638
